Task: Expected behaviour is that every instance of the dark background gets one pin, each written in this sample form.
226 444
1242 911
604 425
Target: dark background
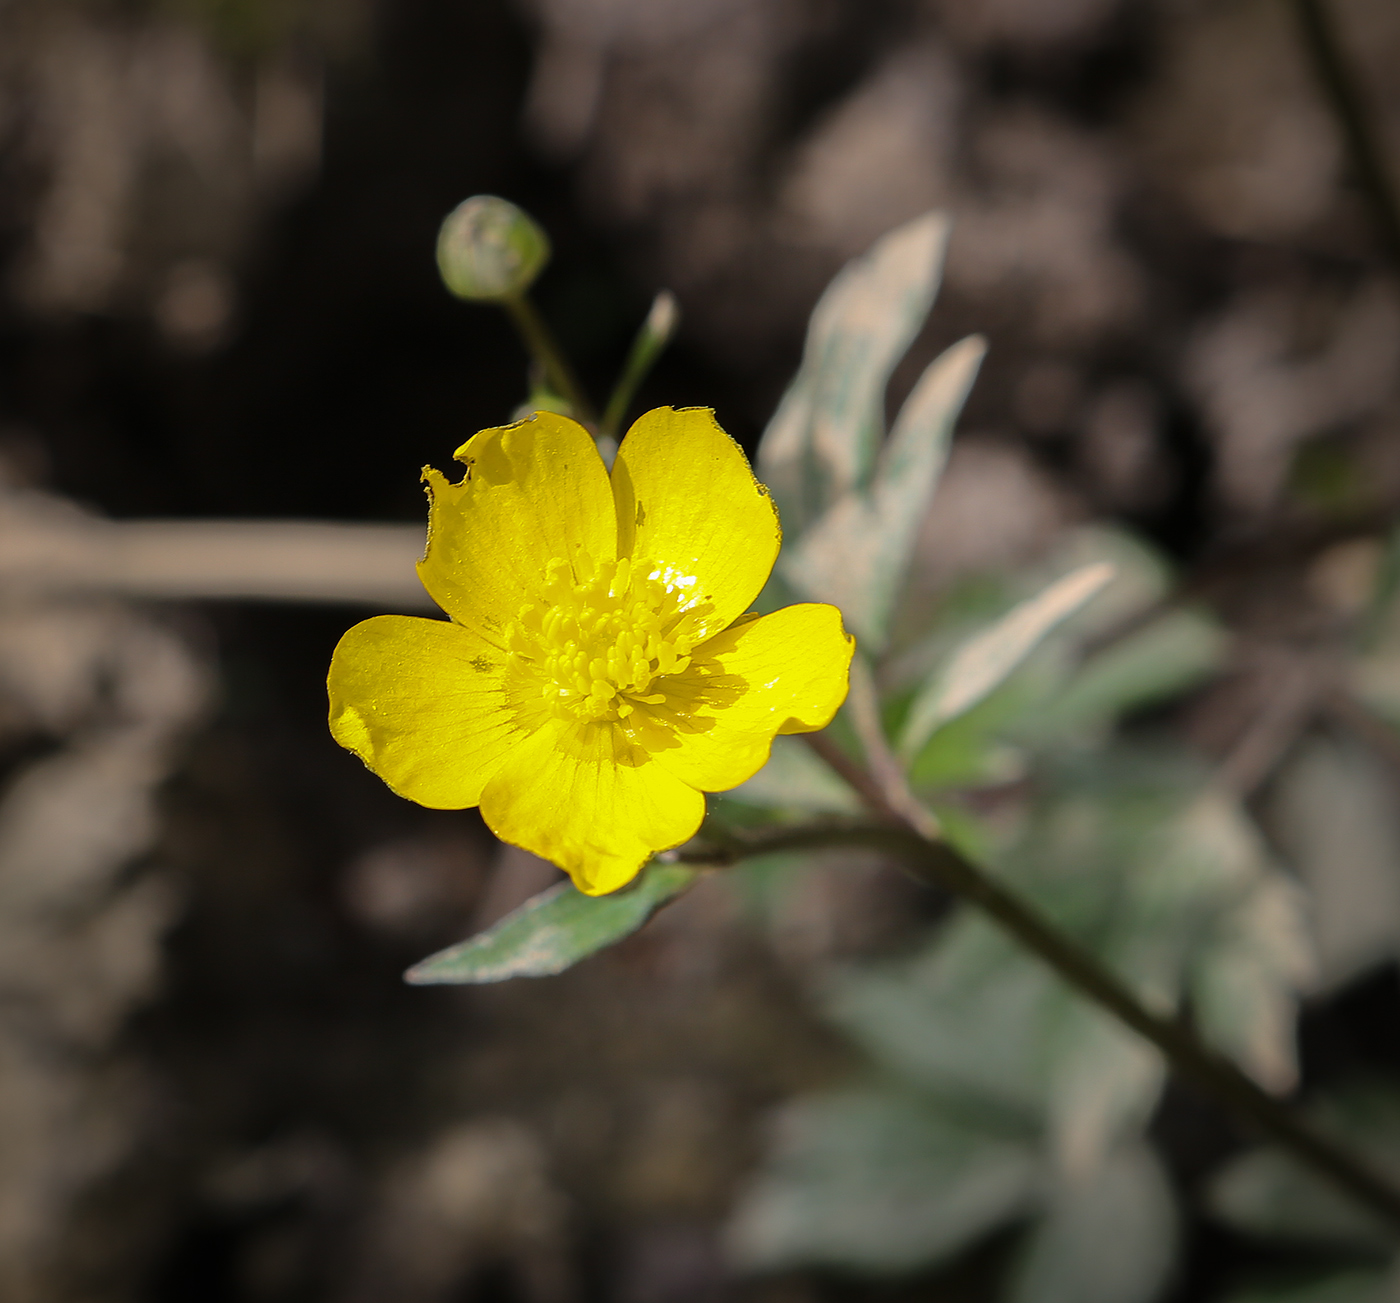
216 232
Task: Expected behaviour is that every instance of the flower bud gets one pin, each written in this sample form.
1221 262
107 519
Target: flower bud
489 249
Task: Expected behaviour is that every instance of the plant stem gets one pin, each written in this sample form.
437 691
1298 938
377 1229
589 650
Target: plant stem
939 863
546 352
654 335
896 796
1345 97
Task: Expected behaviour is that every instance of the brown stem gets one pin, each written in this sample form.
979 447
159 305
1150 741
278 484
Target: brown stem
883 765
855 776
939 863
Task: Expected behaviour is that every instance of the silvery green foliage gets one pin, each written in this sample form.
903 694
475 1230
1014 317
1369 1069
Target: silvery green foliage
1334 813
875 1179
855 555
984 661
1108 1235
1332 808
553 931
1267 1195
1138 856
826 433
850 499
1131 849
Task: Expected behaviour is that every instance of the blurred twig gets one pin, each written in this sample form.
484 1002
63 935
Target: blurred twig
1347 100
939 863
1291 689
49 547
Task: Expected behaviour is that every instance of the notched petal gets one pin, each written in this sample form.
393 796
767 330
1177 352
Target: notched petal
533 492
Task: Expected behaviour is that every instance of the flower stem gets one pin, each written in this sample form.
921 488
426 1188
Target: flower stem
545 350
940 864
1339 84
652 338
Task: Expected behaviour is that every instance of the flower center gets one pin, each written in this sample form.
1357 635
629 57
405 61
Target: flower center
603 637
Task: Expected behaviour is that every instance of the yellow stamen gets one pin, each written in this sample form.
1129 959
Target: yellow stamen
606 637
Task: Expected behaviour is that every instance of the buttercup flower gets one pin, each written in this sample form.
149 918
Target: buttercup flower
598 672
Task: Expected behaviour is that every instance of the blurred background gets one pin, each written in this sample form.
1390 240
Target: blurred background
218 299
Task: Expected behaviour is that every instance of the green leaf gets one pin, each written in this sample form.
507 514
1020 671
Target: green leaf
879 1181
1268 1193
1108 1237
553 931
823 439
1334 1287
1333 814
1104 1081
967 752
984 661
962 1019
1245 983
1174 652
1164 879
795 779
856 554
991 1032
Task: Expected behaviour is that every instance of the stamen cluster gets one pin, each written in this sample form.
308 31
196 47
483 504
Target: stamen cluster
604 635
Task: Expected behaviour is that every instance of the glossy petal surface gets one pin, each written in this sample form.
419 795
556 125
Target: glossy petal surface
687 500
532 492
424 704
590 801
781 673
583 700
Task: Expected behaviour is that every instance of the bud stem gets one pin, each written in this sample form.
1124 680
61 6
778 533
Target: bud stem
652 338
543 348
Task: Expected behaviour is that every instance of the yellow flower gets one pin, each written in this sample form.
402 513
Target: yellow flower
598 673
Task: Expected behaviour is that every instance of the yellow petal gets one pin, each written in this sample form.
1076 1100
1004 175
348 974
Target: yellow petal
687 500
583 797
779 673
423 703
533 491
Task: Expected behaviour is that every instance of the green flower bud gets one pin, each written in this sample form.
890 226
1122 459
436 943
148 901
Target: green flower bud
489 249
